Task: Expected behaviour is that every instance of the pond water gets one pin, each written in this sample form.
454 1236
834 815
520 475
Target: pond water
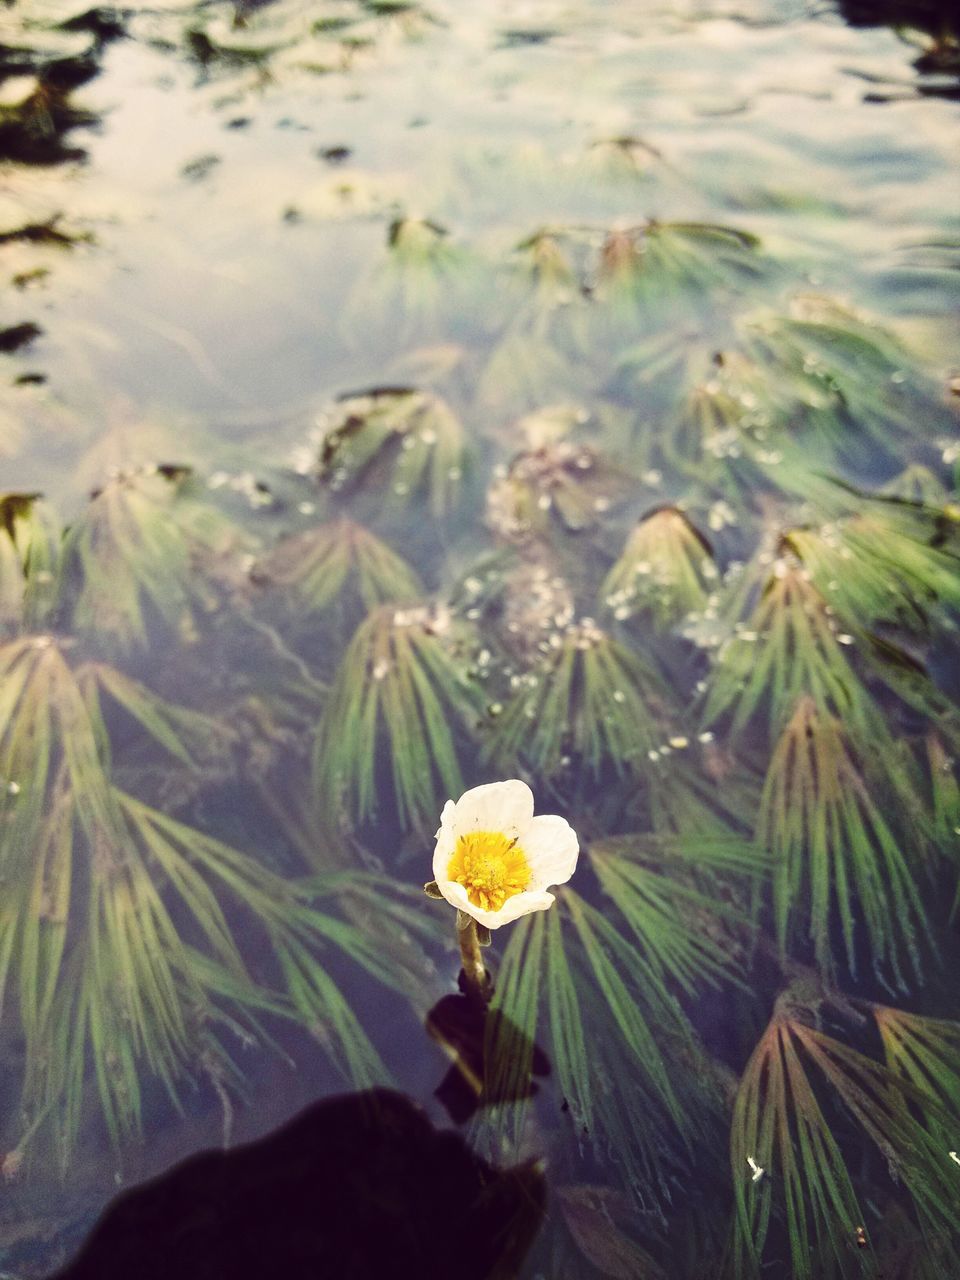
397 398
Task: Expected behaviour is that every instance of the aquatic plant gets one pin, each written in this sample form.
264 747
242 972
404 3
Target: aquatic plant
145 551
785 1158
668 893
588 696
789 645
834 852
666 567
890 565
926 1052
407 441
313 568
401 683
117 954
660 258
573 970
852 381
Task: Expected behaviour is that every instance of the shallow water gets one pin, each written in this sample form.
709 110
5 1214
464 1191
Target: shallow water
688 264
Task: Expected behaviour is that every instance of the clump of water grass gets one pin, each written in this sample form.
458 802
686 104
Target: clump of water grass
656 259
118 960
400 690
853 386
571 980
886 566
835 856
785 643
314 568
145 551
406 443
588 697
666 569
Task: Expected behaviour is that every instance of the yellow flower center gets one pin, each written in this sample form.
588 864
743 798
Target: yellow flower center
491 867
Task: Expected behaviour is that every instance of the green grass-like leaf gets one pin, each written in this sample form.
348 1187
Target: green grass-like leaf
835 856
591 696
139 552
407 443
666 569
316 567
399 682
118 956
789 646
686 935
875 568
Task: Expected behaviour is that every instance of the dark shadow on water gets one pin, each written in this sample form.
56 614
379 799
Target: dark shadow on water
354 1187
462 1026
937 19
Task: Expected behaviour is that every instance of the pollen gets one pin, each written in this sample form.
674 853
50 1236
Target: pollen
491 867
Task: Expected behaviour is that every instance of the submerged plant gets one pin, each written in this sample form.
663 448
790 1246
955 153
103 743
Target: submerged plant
786 1161
589 696
401 681
408 441
668 892
571 977
666 568
926 1053
144 550
833 850
659 258
790 645
880 567
117 955
316 567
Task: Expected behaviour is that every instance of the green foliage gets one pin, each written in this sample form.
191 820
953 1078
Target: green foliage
780 1126
846 377
835 856
590 696
880 566
926 1053
406 442
687 934
666 569
146 549
602 1023
789 646
118 958
314 568
29 547
662 258
401 680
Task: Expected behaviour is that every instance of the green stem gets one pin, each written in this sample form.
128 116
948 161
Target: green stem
474 972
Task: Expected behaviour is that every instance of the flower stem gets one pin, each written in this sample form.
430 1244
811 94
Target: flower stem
474 972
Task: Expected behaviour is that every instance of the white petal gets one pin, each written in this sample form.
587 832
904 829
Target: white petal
520 904
442 853
446 817
551 846
446 842
496 806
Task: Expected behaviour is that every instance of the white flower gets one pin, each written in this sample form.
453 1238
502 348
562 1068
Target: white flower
494 859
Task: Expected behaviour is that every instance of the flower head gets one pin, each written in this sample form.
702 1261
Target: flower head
494 860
